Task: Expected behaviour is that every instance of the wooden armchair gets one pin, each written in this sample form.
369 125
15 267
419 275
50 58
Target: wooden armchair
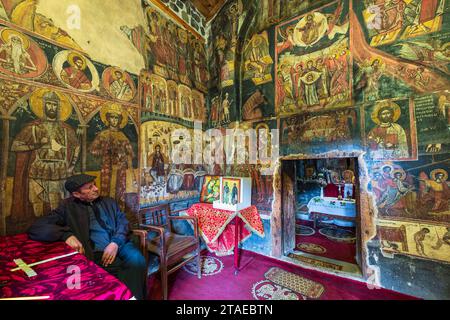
174 250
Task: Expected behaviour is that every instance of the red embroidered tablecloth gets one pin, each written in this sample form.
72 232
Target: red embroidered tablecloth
217 229
54 278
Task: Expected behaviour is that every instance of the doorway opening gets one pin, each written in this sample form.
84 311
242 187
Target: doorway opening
324 197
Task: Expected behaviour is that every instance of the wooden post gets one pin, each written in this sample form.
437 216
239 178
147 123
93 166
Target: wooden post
276 216
288 204
83 150
3 172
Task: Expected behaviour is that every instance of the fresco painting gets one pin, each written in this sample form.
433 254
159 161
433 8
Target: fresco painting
399 45
48 139
313 63
412 190
118 83
423 240
114 150
174 82
164 180
432 121
390 130
25 13
258 61
76 71
314 132
362 76
19 55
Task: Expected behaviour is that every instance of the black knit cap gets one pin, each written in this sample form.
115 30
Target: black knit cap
75 182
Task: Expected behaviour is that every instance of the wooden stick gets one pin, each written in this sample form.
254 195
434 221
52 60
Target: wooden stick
46 260
27 298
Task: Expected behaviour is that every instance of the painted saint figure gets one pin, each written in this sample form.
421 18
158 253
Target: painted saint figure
16 57
226 109
157 162
388 139
234 194
435 190
75 75
226 193
116 153
367 79
47 150
310 31
119 87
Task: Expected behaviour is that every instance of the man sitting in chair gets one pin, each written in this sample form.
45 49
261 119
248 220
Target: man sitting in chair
95 227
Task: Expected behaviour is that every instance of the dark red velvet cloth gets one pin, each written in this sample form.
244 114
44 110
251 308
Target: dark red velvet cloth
54 278
331 190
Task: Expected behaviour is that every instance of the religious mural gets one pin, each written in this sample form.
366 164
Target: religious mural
269 12
45 151
220 109
61 122
174 82
170 51
163 177
257 92
29 57
313 133
25 13
262 172
115 148
257 60
118 83
412 190
390 130
74 24
75 71
423 240
20 56
399 47
51 138
313 65
432 113
221 58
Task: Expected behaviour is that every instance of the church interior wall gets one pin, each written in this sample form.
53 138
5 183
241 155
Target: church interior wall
321 73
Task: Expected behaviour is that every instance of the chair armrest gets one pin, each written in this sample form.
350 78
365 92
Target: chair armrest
188 218
161 232
142 235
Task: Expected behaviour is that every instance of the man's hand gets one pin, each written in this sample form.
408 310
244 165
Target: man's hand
109 254
75 244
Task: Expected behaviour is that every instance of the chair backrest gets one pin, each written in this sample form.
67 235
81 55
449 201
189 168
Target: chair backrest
156 216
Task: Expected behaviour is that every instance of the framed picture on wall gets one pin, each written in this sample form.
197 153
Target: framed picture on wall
231 191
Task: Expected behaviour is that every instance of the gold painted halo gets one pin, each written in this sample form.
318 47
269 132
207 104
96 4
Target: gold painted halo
72 56
6 35
436 171
380 62
37 104
395 107
113 73
402 177
117 109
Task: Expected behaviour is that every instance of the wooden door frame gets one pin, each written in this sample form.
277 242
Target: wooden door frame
365 221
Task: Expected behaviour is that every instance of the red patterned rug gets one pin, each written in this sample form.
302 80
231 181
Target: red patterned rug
334 249
263 278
